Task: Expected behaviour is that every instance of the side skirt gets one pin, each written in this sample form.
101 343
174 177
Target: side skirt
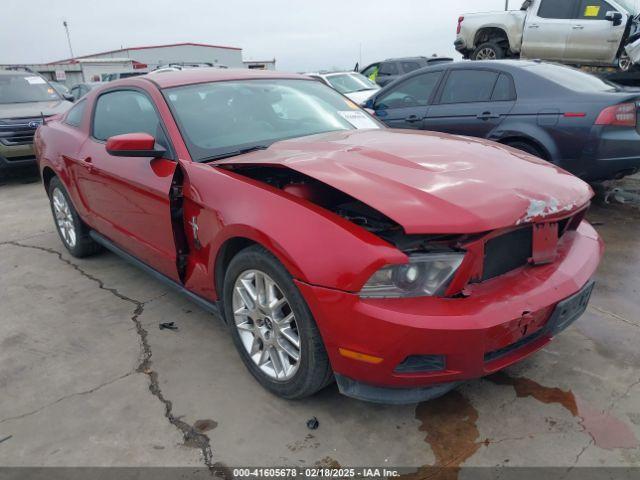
205 304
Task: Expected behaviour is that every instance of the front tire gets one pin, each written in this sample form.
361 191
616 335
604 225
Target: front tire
71 229
272 326
488 51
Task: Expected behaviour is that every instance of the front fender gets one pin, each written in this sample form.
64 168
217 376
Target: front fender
316 246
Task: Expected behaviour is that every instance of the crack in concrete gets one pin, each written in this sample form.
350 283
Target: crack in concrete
71 395
28 237
614 315
190 435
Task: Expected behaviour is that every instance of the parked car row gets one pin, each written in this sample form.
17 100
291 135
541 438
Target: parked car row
568 117
398 263
353 85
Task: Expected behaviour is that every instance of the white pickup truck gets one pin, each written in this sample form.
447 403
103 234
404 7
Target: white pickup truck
574 32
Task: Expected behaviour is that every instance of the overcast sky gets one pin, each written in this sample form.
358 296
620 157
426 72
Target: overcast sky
302 35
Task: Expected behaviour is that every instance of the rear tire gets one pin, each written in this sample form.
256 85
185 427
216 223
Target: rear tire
527 148
488 51
254 280
73 232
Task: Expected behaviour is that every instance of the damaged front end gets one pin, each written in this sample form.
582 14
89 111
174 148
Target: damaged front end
533 240
632 48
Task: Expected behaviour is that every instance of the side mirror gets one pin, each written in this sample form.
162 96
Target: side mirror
615 17
134 145
368 104
69 97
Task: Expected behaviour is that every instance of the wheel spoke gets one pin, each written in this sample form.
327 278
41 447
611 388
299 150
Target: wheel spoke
245 326
264 357
291 336
256 347
245 296
289 349
276 362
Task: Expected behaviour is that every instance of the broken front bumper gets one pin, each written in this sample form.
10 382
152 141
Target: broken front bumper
633 50
503 321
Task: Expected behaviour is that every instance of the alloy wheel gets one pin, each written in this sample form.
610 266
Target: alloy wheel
624 62
266 325
64 218
486 54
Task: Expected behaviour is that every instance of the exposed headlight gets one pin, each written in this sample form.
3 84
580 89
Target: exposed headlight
424 275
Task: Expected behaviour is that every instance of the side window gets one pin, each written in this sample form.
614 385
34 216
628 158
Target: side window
75 91
594 9
414 92
466 86
388 68
126 111
562 9
504 90
410 66
370 70
76 114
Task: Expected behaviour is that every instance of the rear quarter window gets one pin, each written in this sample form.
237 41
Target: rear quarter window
504 90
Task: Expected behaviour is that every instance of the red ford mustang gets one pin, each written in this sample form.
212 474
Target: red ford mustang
398 263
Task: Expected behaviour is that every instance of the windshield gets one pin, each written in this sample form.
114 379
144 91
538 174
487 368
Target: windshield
351 82
223 118
21 88
630 6
572 79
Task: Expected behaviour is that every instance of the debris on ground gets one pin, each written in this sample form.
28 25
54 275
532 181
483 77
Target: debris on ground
313 423
168 326
6 438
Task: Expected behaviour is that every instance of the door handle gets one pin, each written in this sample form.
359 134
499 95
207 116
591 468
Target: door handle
412 119
487 116
534 25
578 27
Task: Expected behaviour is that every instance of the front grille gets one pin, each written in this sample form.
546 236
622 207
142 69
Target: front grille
421 363
507 252
18 131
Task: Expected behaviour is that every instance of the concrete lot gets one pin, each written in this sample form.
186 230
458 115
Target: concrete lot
87 378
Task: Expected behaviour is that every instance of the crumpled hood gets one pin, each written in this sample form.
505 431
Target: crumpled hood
33 109
431 182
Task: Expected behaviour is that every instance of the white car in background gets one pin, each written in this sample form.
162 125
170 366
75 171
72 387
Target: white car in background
353 85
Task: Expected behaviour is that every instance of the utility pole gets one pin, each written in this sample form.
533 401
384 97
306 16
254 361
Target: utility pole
66 28
506 5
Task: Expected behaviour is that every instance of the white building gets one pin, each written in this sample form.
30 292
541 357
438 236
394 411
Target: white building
181 53
134 60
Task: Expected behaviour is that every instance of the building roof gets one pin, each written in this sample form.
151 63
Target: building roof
109 52
205 75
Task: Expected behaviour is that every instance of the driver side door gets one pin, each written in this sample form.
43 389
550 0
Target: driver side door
128 197
406 104
593 38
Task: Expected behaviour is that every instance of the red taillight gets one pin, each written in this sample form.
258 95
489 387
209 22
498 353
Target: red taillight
623 115
460 20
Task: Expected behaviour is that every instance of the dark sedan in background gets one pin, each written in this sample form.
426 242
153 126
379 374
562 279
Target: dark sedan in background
386 71
569 117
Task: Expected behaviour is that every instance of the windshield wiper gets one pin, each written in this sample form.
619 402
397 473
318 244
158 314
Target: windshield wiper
234 153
